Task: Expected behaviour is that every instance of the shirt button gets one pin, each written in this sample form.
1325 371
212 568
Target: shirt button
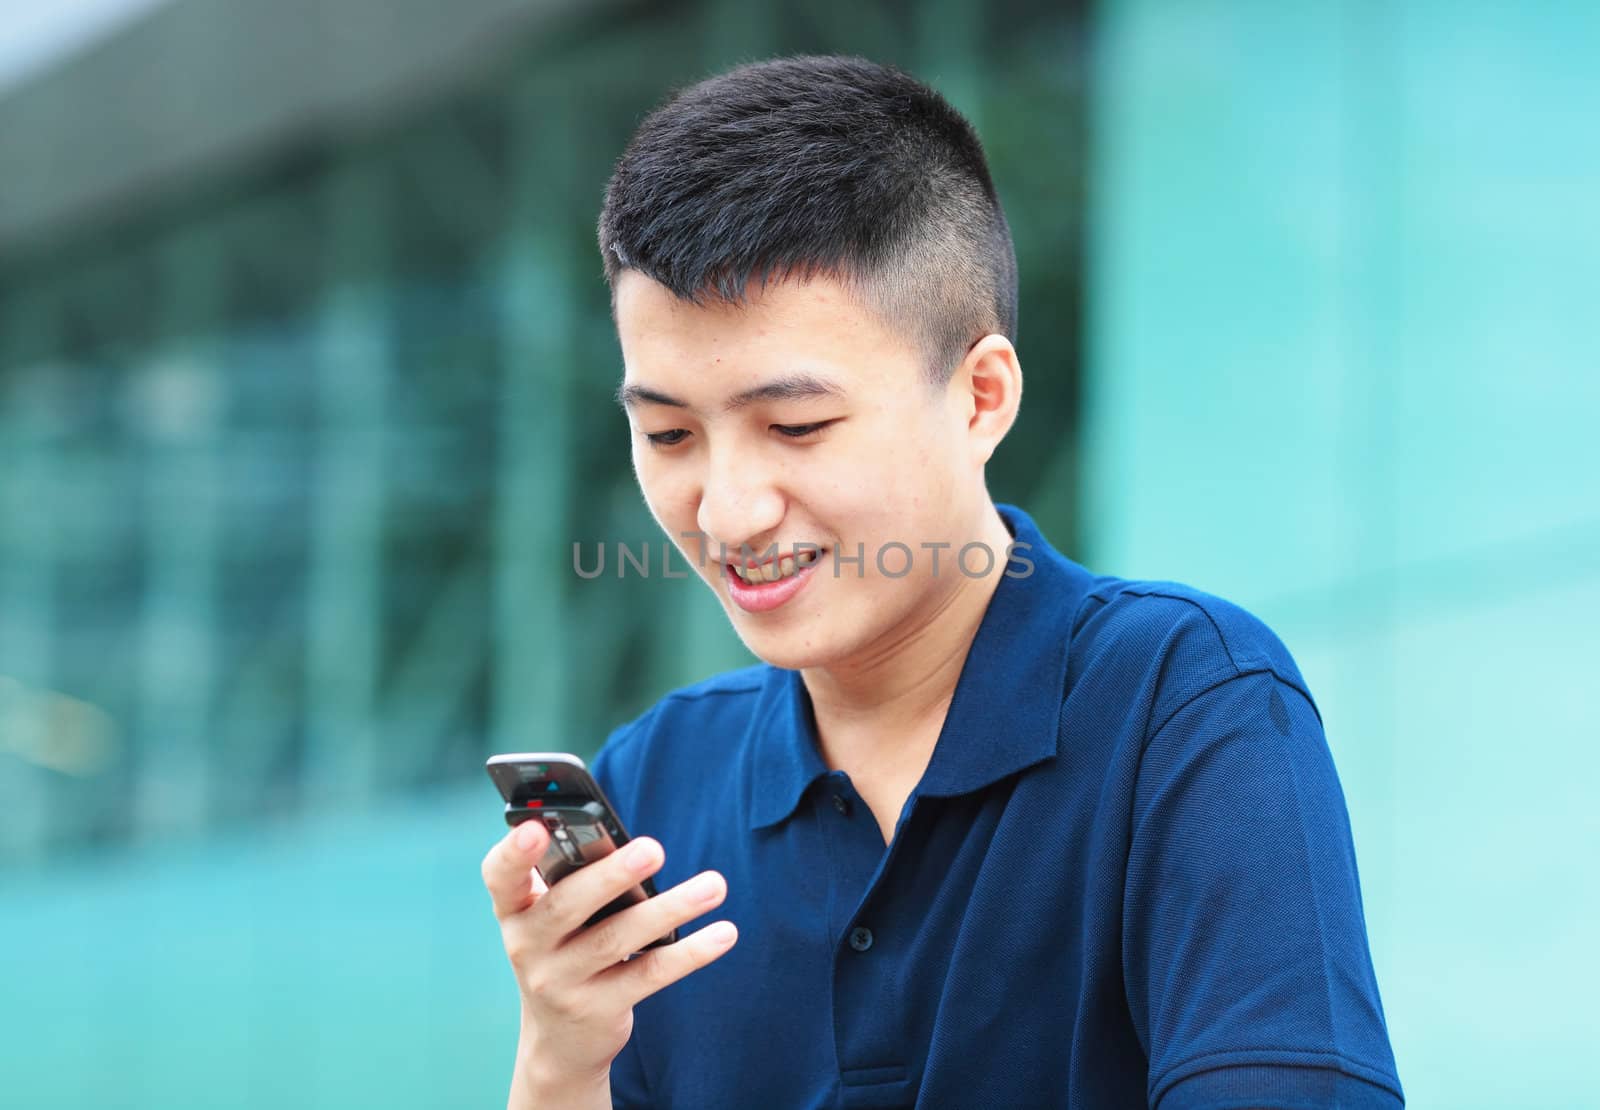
860 938
842 804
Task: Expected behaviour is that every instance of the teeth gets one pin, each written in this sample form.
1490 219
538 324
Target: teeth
781 567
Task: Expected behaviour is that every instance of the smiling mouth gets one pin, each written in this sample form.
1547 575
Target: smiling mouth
783 567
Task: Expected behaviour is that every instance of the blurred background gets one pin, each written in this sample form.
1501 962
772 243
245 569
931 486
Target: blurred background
305 395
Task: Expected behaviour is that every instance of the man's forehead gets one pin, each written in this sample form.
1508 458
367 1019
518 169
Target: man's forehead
779 305
797 340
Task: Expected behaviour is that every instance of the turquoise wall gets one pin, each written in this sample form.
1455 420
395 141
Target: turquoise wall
1343 368
330 963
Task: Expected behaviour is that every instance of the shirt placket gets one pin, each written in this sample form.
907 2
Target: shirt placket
868 1037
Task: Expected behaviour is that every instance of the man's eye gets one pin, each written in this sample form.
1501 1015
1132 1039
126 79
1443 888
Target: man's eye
800 431
666 439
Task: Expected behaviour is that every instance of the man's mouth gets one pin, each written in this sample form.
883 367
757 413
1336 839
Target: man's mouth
784 566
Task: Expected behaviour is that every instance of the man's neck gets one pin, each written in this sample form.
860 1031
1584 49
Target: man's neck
880 713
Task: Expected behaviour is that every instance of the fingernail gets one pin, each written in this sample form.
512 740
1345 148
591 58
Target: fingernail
721 934
704 888
641 856
525 835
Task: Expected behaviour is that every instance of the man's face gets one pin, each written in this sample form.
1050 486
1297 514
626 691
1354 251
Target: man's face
800 420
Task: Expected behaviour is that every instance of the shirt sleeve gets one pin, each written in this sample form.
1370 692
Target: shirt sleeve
629 1089
1245 950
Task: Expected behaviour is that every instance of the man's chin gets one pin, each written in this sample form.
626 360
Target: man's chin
790 651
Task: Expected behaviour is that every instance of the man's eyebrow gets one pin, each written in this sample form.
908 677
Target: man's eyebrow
644 395
789 387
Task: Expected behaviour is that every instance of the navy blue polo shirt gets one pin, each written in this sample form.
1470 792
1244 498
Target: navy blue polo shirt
1126 878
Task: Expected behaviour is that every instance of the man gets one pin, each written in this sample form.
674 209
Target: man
985 829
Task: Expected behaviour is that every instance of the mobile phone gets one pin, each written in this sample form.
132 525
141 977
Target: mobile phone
557 789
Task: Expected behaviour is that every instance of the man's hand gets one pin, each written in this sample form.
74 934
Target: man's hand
578 985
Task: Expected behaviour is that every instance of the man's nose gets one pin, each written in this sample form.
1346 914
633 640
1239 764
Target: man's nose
740 505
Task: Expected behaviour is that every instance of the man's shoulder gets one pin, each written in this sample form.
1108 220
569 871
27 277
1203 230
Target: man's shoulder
702 710
1184 638
1109 616
1132 608
730 690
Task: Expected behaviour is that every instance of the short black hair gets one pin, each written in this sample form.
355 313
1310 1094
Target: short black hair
819 165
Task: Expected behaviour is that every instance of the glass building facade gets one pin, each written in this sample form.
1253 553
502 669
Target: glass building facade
295 455
298 428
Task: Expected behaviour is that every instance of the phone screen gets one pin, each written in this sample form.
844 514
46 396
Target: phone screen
556 789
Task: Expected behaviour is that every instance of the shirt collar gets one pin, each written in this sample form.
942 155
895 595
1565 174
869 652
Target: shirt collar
1007 702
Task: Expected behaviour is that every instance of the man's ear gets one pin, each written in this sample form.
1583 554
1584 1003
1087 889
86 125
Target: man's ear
989 387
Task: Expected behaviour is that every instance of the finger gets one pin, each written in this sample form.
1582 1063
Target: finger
617 937
628 984
576 898
508 868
